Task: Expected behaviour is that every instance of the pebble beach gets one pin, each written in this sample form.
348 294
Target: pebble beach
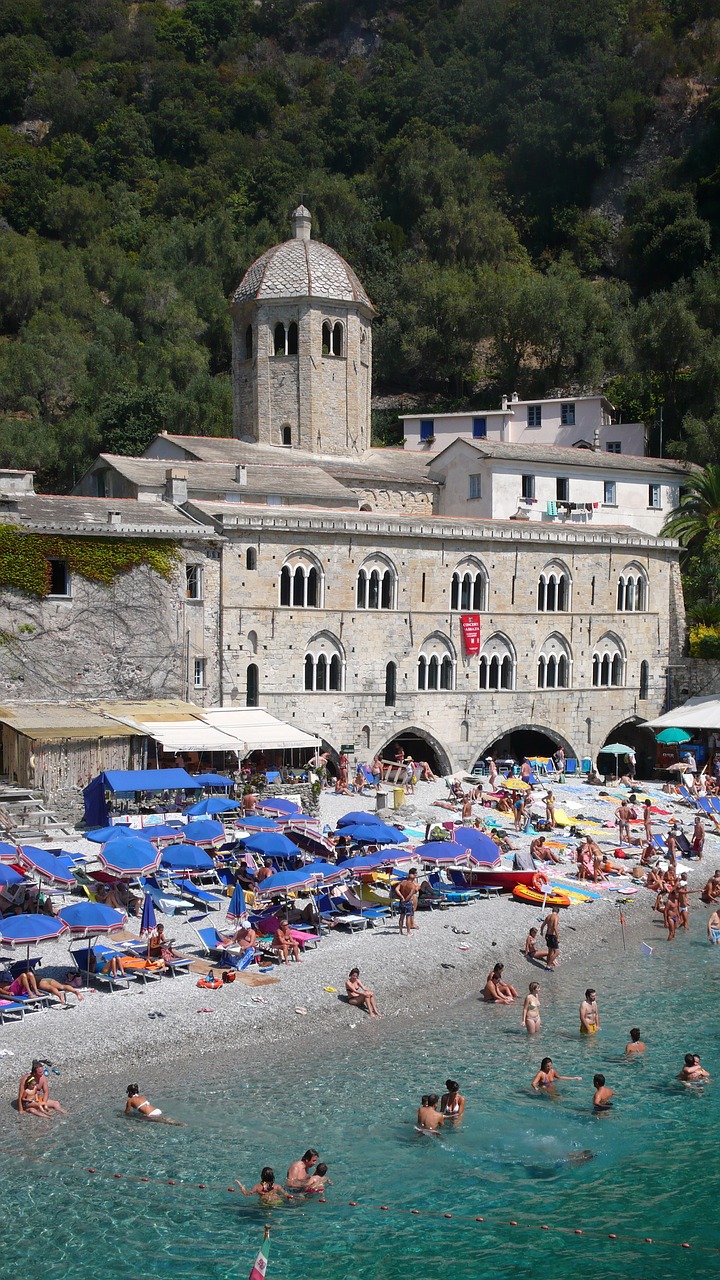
446 960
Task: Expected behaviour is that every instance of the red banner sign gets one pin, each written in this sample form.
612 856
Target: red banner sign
470 623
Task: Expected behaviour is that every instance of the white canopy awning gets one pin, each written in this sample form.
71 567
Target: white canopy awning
258 729
189 734
696 713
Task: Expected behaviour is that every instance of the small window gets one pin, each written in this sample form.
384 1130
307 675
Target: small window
654 496
251 686
59 578
613 446
390 684
528 488
474 487
101 483
562 489
193 580
279 340
534 415
644 681
567 415
251 558
248 342
610 493
286 436
479 428
326 339
427 429
199 673
337 339
292 340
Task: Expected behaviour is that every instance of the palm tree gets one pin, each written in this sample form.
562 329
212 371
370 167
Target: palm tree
698 511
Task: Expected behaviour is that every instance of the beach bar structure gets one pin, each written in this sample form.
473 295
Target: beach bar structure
54 747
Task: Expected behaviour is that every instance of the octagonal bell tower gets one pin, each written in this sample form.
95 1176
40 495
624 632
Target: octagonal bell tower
302 348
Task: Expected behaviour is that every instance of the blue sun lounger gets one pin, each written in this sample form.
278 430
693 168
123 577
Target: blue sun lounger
201 898
11 1011
81 960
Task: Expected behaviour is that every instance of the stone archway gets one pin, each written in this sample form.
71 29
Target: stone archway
635 733
518 741
421 745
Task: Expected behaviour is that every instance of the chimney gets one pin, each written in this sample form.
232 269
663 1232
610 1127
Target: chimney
241 474
301 223
596 441
114 519
176 486
504 404
514 397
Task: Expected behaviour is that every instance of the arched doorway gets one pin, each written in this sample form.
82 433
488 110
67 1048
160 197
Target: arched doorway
643 742
421 746
526 740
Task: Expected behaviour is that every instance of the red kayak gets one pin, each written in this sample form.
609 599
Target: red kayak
501 878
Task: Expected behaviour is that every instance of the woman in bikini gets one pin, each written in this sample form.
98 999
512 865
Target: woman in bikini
360 995
452 1103
267 1189
141 1106
547 1075
531 1010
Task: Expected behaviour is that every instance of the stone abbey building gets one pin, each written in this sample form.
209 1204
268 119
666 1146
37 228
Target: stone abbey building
475 590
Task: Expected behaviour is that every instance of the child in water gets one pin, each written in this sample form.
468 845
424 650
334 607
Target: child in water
318 1180
269 1191
602 1095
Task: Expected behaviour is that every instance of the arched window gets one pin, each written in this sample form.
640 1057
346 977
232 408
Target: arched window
553 593
469 587
248 342
644 681
608 664
301 581
376 586
279 340
365 735
390 684
286 435
436 664
632 592
324 666
497 664
252 641
252 685
251 559
326 339
292 339
337 339
554 664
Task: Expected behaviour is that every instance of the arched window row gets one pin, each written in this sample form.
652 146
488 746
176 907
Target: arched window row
553 593
301 583
324 669
553 672
435 672
497 667
285 339
608 664
376 586
632 593
469 589
333 339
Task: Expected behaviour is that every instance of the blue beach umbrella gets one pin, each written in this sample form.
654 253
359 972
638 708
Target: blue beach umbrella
206 780
203 831
8 852
212 804
483 851
326 872
273 844
310 841
256 822
276 805
186 857
28 929
364 862
148 921
674 735
88 918
286 881
375 833
8 876
49 866
129 857
102 834
357 817
237 907
441 851
163 831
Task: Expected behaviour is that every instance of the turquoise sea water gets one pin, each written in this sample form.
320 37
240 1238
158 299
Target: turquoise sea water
653 1172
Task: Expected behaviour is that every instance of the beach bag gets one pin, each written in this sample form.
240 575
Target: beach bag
228 976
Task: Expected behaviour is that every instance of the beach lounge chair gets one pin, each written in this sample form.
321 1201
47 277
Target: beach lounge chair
81 960
371 911
269 925
138 946
706 808
332 912
165 901
659 842
458 881
687 796
11 1011
458 897
201 898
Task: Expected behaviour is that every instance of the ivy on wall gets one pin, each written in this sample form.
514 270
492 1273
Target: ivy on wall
25 558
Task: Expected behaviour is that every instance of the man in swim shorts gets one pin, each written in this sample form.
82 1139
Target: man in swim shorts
551 928
408 893
299 1172
589 1016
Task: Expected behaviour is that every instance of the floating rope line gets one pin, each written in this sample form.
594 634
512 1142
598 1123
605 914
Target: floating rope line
185 1185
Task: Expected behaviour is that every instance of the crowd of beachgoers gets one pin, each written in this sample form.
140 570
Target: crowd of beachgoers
210 948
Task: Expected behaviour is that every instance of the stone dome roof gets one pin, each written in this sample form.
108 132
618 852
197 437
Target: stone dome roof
301 268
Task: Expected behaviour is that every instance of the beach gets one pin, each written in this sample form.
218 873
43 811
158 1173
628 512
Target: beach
444 962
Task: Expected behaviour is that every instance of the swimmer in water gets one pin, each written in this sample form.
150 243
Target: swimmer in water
692 1072
602 1095
317 1181
452 1103
636 1045
428 1116
531 1010
589 1016
140 1106
269 1192
547 1075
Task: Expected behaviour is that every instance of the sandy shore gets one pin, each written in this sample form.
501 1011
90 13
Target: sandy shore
445 961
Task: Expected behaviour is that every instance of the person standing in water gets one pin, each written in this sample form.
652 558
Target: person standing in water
547 1075
299 1172
636 1045
531 1010
452 1103
589 1016
602 1095
267 1189
428 1116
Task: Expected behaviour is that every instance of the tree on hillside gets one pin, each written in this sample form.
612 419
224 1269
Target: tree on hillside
698 511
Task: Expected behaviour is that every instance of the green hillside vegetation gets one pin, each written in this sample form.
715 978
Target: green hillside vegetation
449 149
